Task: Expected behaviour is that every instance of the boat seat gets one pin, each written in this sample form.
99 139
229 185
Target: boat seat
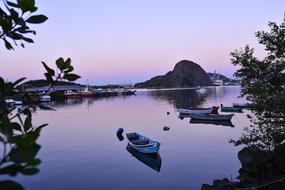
140 142
132 136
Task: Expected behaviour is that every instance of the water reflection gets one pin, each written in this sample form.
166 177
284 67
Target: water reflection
151 160
181 98
223 123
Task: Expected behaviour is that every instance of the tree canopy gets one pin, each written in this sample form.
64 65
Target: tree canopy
263 85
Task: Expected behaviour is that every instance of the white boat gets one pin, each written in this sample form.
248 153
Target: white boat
143 144
71 94
45 98
201 90
195 110
18 102
211 117
10 102
241 105
218 82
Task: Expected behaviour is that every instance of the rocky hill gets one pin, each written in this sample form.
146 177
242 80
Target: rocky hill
185 74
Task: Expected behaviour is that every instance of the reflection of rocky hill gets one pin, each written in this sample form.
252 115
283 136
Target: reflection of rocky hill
179 98
185 74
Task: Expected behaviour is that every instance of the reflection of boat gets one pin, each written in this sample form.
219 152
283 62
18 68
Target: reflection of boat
224 123
153 160
195 110
231 109
211 117
143 144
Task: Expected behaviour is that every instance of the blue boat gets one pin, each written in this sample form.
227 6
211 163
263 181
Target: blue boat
143 144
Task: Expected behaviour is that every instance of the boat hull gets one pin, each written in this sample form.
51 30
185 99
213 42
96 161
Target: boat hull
223 123
195 111
231 109
211 117
240 105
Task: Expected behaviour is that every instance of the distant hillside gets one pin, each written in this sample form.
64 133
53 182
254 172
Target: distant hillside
43 82
185 74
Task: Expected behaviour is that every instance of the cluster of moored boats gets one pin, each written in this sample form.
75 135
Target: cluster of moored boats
146 149
211 113
16 101
99 92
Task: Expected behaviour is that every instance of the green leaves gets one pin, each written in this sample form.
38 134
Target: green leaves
27 5
11 185
11 4
65 68
37 19
50 72
262 84
71 77
14 22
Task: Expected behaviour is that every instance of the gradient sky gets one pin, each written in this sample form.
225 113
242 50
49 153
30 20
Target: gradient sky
121 41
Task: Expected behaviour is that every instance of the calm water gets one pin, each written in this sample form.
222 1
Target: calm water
80 149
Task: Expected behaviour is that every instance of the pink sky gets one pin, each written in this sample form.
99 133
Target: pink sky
125 41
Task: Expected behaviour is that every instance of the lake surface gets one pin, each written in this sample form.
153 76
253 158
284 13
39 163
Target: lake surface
80 149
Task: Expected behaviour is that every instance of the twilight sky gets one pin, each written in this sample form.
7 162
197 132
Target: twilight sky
121 41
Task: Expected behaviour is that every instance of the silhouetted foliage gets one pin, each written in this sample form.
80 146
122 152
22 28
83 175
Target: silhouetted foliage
18 134
15 18
263 84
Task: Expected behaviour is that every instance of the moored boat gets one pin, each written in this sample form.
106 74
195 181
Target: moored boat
142 143
223 123
45 98
10 102
87 93
71 94
231 109
211 117
241 105
195 110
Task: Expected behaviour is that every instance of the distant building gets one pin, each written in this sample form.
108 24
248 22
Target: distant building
216 80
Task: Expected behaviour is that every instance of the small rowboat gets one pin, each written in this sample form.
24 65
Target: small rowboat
211 117
142 143
195 110
231 109
241 105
